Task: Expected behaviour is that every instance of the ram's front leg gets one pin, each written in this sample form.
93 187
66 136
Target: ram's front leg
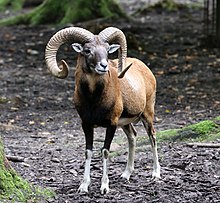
88 130
105 155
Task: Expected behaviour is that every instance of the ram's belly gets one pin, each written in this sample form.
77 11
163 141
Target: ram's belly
126 121
129 116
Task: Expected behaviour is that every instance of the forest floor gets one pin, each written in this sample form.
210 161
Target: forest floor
39 123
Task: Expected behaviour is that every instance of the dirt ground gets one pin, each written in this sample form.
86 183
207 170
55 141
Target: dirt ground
39 123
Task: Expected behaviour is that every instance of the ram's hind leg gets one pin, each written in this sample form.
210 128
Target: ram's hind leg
131 135
148 125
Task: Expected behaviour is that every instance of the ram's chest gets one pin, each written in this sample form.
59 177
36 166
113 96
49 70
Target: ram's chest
91 93
94 105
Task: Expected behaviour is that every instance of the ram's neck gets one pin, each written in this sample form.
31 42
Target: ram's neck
97 98
94 83
91 88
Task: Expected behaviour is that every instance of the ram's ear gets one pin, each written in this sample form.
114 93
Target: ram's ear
77 47
112 48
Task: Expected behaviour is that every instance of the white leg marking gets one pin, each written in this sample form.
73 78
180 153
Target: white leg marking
105 181
86 178
131 153
156 165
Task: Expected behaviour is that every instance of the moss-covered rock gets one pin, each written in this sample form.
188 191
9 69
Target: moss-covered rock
13 188
208 130
204 131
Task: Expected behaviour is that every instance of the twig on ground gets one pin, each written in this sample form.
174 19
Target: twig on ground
15 158
201 144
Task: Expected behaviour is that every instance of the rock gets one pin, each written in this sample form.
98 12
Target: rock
55 160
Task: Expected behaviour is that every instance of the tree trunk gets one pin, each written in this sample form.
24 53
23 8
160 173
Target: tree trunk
212 22
218 22
68 11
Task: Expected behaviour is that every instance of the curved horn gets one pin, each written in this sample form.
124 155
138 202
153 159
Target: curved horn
71 34
115 35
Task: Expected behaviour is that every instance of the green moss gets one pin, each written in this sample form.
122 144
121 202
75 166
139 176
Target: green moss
67 11
114 154
108 8
217 118
204 127
15 4
208 130
141 141
82 10
212 137
199 132
88 10
13 188
167 135
22 19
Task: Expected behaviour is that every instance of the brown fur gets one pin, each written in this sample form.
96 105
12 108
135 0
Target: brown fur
135 92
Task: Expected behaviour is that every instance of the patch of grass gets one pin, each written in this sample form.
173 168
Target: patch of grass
208 130
217 118
141 140
212 137
167 135
114 154
204 127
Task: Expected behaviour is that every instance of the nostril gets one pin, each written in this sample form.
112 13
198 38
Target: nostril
103 65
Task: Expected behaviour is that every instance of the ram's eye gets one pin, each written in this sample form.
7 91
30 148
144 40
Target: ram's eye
87 51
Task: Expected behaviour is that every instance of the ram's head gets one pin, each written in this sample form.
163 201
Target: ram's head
94 48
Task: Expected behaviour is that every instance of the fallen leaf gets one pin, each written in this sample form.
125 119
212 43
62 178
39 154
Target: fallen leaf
31 122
